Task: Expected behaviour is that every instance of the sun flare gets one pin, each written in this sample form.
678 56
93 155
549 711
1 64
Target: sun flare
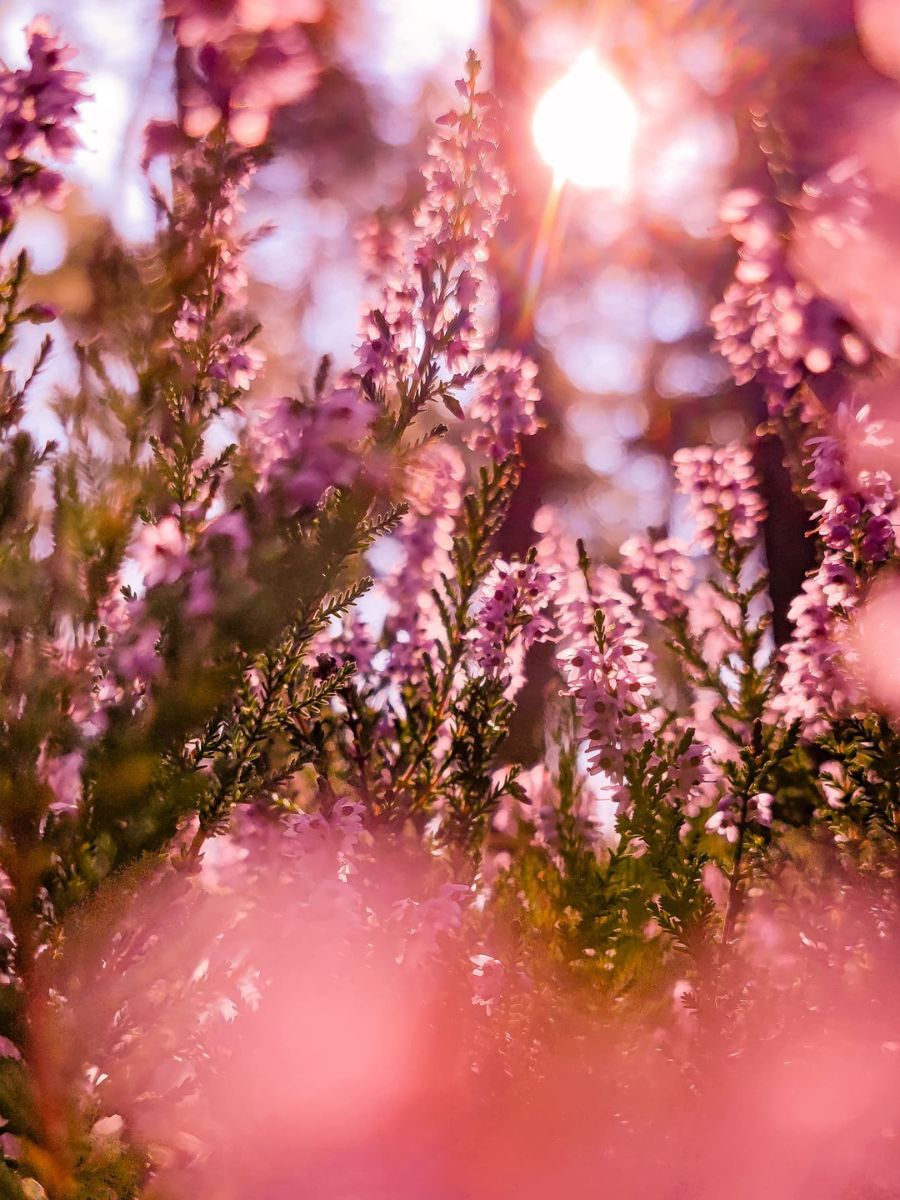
585 126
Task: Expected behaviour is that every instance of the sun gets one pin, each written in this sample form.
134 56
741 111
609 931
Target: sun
585 126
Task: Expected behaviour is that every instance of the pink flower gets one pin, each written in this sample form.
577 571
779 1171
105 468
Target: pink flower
726 820
511 609
308 448
503 411
661 574
62 774
856 510
38 109
814 686
250 59
770 326
606 669
720 485
161 552
236 366
421 340
425 537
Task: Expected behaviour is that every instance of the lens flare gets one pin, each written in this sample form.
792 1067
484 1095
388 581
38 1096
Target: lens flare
585 126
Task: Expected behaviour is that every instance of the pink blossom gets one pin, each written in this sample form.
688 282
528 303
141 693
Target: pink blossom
512 608
720 485
726 820
541 811
814 687
62 774
712 621
661 574
161 552
503 411
606 669
434 490
38 109
855 516
307 448
250 59
770 325
236 366
422 338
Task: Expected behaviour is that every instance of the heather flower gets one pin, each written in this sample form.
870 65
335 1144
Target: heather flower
311 833
855 515
720 485
346 641
424 538
712 622
308 448
512 609
161 552
771 326
814 687
839 201
236 366
687 770
855 522
541 811
38 109
250 59
601 654
62 774
726 820
503 409
660 574
131 641
203 351
606 668
420 342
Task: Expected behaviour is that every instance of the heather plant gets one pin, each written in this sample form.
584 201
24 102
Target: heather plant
260 662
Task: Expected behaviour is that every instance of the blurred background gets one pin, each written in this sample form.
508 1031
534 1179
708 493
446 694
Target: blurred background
607 278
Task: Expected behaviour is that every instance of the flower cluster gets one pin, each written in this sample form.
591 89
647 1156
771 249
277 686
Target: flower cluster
38 109
720 486
855 522
207 335
814 685
249 59
503 410
307 448
727 821
606 669
511 613
425 538
661 575
771 326
419 343
855 516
